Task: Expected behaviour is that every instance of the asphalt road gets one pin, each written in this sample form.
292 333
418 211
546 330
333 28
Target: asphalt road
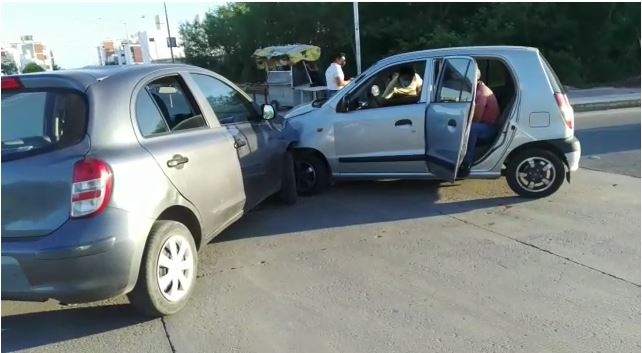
402 267
610 140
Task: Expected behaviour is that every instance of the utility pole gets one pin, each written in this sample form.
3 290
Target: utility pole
169 35
357 38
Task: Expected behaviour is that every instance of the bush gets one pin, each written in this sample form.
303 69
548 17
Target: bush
32 67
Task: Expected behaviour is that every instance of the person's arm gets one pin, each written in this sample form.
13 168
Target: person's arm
411 90
340 82
389 91
339 78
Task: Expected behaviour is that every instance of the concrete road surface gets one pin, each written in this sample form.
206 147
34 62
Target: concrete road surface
401 267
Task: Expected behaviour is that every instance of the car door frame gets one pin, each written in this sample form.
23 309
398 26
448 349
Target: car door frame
437 126
234 210
268 180
378 163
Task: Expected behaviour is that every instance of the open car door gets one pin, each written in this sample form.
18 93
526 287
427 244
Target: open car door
449 115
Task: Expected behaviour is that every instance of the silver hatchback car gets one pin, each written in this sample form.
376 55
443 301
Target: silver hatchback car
113 178
359 134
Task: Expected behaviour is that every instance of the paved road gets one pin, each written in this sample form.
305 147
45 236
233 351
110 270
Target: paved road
611 140
400 267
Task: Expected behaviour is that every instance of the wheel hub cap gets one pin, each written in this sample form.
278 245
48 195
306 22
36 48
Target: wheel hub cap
536 174
306 176
175 269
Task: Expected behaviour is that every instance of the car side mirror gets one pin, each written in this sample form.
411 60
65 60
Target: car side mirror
268 112
374 90
343 105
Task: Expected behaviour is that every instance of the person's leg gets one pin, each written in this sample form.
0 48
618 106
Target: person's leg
486 131
477 131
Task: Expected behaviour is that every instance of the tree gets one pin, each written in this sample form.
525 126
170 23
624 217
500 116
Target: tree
9 66
586 43
55 67
32 67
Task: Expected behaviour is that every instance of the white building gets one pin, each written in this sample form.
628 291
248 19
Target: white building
148 46
27 51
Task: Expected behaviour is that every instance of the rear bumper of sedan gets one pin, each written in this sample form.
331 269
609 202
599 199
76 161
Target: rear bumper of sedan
102 262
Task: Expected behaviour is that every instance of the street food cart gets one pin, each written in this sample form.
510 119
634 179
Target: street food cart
292 76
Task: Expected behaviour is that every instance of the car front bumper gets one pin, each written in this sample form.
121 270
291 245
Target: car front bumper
84 260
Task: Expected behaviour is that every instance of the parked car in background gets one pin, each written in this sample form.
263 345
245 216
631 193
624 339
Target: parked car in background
114 178
358 135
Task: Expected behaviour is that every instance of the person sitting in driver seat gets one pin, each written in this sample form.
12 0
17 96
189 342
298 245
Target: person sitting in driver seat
484 124
404 83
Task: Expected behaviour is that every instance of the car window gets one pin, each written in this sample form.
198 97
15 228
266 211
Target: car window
228 104
556 85
149 118
40 120
457 81
176 104
395 85
496 74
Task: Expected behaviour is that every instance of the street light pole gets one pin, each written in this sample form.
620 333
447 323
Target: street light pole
169 35
357 38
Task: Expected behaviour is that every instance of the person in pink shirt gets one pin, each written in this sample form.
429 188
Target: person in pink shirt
484 123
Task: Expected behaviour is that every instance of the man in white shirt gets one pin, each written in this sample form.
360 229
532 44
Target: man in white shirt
334 77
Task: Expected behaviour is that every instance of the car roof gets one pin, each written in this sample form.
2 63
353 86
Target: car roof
86 76
470 50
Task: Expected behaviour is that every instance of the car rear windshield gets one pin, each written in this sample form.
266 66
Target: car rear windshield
38 121
552 77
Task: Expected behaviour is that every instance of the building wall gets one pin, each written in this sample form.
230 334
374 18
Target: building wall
29 51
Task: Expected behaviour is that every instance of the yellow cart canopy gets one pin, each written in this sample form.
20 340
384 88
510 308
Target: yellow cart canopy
270 57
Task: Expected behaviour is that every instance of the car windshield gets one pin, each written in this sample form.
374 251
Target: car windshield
39 120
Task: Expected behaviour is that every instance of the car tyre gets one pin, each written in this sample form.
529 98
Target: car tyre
288 193
170 261
535 173
312 174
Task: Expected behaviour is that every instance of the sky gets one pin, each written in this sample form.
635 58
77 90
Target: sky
73 30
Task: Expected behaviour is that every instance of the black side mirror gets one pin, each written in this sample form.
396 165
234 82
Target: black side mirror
343 105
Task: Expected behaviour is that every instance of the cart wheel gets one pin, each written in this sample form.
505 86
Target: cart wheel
275 104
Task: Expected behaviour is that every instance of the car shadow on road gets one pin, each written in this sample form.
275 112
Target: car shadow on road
357 203
31 330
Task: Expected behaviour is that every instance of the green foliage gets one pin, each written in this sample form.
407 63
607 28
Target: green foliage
9 66
55 67
32 67
584 42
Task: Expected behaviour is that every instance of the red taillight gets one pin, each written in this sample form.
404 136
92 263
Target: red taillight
566 109
11 83
91 187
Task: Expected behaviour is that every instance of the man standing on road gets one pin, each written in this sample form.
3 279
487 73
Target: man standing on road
334 77
484 123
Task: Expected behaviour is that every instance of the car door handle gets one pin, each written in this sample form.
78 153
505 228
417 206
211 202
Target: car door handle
239 142
452 122
403 122
177 161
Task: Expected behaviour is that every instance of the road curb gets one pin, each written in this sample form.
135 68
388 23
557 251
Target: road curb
594 106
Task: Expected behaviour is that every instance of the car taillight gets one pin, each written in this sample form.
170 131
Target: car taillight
10 83
565 108
91 187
